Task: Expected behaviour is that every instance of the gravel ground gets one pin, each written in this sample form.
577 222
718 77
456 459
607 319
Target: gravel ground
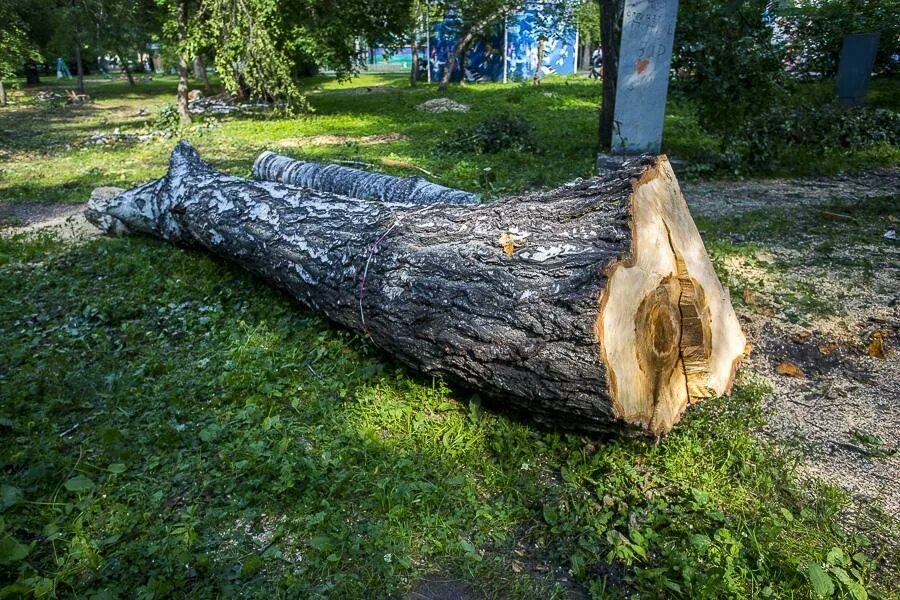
719 198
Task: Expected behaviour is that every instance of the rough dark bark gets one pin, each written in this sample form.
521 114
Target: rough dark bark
355 183
610 39
507 298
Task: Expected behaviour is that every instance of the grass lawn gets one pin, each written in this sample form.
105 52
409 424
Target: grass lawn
172 426
372 119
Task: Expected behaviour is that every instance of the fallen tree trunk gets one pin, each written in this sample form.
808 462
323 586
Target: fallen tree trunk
589 306
355 183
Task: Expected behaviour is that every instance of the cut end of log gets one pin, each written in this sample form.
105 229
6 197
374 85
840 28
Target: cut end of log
97 212
668 334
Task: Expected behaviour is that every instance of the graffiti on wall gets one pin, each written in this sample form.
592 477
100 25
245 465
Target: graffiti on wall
531 47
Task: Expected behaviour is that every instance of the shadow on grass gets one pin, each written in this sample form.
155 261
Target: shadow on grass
173 425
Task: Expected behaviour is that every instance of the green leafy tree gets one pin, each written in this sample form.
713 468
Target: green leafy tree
814 31
16 46
125 27
477 16
554 19
727 60
262 47
587 19
331 33
250 54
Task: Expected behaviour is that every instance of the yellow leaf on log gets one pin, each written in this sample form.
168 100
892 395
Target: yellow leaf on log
509 243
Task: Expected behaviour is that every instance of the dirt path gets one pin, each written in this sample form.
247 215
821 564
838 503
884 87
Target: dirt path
843 414
719 198
66 220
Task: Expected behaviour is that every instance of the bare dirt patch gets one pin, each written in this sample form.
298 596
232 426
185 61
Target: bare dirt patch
336 140
717 198
821 305
64 220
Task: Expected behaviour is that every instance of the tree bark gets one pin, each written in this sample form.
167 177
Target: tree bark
336 179
79 65
448 69
536 78
3 99
414 69
127 69
591 306
610 40
204 75
586 53
182 92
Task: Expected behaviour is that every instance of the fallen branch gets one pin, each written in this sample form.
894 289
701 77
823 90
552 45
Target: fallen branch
355 183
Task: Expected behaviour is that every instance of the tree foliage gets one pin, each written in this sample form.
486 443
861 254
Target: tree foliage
476 17
250 56
16 46
814 31
587 19
727 61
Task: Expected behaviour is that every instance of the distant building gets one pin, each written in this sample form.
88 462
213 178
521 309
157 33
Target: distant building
508 53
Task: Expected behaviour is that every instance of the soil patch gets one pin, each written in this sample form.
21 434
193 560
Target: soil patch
718 198
65 220
335 140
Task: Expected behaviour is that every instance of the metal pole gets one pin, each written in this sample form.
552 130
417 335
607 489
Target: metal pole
575 52
505 48
427 39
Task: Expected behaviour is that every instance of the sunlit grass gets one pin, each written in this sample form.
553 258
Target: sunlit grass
173 427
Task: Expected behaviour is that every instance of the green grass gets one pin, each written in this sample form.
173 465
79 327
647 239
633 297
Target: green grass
171 426
45 159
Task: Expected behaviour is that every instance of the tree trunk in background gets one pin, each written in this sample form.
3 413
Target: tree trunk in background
182 92
590 306
79 65
536 78
463 60
204 76
3 98
200 72
448 70
463 44
127 69
610 40
337 179
414 70
586 54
